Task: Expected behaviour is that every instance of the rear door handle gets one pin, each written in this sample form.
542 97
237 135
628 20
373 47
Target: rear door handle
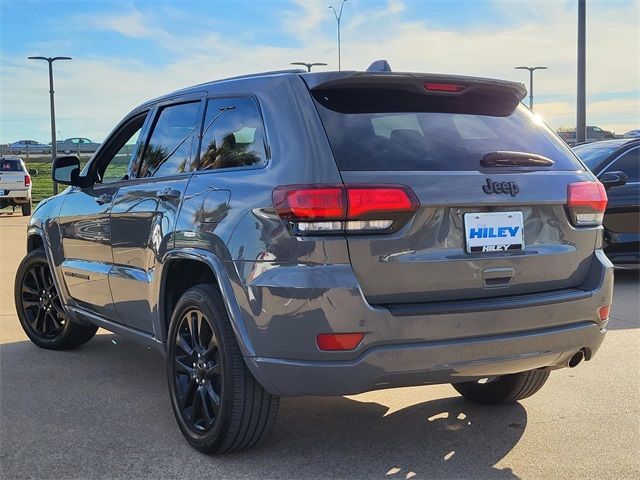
104 198
168 194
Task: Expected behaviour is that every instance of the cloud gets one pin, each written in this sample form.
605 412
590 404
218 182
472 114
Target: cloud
92 94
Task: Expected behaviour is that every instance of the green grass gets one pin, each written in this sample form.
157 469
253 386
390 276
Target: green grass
42 184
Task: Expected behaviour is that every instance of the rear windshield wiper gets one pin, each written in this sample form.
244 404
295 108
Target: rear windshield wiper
515 159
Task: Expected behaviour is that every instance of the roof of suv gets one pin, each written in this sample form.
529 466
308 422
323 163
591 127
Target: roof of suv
356 79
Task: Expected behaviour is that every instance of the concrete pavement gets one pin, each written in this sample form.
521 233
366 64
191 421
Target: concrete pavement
102 411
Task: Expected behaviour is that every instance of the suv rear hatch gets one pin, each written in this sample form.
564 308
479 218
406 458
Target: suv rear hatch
466 148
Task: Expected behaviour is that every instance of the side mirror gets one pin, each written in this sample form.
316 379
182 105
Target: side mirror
613 179
66 170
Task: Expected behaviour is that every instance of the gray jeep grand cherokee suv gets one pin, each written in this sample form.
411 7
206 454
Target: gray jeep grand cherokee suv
294 233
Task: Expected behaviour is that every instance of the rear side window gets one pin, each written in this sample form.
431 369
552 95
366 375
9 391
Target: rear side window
168 151
233 134
10 166
434 137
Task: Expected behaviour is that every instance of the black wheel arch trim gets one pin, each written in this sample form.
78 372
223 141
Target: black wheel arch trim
221 275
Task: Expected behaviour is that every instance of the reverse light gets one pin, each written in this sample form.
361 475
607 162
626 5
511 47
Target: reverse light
323 209
27 180
338 341
444 87
587 202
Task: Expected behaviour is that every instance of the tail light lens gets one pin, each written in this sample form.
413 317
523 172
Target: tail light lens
27 180
587 202
338 208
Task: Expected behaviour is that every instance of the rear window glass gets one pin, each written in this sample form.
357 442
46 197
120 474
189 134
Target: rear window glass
10 166
432 140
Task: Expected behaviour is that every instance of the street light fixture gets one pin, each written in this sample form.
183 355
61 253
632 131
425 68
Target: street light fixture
54 145
531 70
308 65
338 15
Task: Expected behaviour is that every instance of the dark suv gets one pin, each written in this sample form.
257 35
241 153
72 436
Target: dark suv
294 233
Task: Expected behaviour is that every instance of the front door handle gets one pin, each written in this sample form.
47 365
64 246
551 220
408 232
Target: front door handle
104 198
168 194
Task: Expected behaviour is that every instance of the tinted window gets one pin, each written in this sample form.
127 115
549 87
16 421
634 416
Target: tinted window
629 163
431 137
10 166
169 149
592 154
233 134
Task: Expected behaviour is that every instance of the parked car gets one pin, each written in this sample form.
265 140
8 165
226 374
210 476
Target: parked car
77 144
617 164
594 134
15 184
30 146
325 233
632 134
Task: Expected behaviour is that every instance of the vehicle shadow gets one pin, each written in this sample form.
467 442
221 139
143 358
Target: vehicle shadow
103 411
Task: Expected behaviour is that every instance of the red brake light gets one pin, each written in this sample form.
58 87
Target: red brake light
338 341
587 202
367 200
310 202
444 87
27 180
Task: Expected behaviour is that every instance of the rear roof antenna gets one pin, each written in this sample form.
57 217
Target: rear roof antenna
379 66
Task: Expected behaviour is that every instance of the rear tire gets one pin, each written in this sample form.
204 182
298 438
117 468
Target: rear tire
26 209
504 389
40 310
218 404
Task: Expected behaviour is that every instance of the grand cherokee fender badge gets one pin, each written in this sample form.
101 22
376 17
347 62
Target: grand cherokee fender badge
501 187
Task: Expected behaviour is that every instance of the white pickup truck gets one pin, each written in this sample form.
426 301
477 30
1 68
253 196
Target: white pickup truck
15 184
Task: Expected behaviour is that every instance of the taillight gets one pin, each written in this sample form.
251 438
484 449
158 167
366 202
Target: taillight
444 87
338 208
587 202
27 180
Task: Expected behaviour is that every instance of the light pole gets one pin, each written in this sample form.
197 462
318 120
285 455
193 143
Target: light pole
54 145
338 15
531 70
308 65
581 105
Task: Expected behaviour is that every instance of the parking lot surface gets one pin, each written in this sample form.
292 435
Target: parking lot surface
102 411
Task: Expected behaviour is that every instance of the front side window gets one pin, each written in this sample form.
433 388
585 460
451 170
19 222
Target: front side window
628 163
233 134
169 149
120 152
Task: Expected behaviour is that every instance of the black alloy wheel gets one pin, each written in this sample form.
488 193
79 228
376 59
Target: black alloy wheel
41 302
40 310
197 371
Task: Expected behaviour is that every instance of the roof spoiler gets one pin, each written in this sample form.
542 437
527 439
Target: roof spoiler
474 94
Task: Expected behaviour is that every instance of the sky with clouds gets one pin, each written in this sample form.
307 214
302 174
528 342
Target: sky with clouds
125 52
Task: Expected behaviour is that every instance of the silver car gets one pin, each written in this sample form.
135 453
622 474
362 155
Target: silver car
28 146
77 145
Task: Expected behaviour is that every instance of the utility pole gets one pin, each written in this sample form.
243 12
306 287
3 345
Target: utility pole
308 65
531 70
338 15
581 107
54 146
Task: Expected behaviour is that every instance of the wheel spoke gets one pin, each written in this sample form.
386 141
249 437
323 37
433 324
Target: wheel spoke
33 274
197 407
208 417
194 328
183 344
30 290
28 304
183 367
214 397
214 371
187 399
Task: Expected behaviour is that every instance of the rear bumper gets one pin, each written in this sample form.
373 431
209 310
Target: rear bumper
437 362
285 307
19 196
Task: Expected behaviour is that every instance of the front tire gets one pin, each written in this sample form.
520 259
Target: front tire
40 310
218 404
503 389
